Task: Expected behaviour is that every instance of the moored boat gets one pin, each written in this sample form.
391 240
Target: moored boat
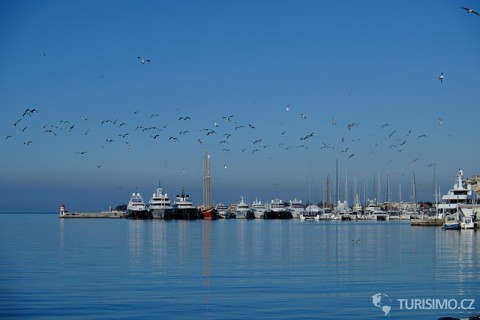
312 212
451 222
277 210
209 214
458 205
243 210
296 208
136 208
160 206
381 215
258 209
183 208
222 211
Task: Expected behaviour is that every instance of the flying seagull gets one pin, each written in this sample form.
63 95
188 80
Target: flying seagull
471 11
29 112
143 60
441 77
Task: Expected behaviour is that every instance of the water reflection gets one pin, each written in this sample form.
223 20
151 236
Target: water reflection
159 243
206 225
136 243
457 252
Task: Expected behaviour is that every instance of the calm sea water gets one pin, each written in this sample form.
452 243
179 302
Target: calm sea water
233 269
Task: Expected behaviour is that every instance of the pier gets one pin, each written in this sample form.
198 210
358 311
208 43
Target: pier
104 214
428 222
111 214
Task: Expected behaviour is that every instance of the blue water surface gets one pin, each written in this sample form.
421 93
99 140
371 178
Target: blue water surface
53 268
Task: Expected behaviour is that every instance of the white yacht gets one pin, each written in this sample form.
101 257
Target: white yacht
222 211
369 210
381 215
311 212
467 223
160 206
136 208
277 210
296 208
243 210
458 203
258 209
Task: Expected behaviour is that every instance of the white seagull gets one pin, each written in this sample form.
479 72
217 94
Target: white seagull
143 60
471 11
441 77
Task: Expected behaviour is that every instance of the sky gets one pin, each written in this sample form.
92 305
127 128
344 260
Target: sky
277 92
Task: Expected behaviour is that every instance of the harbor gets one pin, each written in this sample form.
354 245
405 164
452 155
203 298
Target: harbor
457 210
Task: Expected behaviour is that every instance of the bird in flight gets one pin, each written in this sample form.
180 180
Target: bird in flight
441 77
28 112
143 60
468 10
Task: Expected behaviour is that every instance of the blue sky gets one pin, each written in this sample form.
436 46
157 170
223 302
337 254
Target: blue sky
302 83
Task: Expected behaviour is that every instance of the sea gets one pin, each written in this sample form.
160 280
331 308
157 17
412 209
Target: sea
52 268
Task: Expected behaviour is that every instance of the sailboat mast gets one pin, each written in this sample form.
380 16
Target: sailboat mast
329 191
206 181
365 193
336 182
346 185
435 184
413 190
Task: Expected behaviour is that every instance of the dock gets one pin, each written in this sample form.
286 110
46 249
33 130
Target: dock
87 215
427 222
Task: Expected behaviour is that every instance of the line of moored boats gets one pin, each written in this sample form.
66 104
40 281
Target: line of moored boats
457 210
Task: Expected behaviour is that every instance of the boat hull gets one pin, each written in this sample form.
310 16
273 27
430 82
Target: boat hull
244 215
138 214
162 213
185 214
209 214
451 226
283 214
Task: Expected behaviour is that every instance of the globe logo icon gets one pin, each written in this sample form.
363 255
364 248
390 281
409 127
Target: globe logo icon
382 301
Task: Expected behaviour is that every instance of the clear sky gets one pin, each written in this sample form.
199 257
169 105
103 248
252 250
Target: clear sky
275 91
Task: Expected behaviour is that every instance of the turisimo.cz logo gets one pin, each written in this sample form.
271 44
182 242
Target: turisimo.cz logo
383 301
437 304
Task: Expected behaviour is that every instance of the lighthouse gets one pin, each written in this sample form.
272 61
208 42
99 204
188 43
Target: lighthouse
62 209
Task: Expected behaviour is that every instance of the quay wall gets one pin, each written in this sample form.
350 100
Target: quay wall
104 215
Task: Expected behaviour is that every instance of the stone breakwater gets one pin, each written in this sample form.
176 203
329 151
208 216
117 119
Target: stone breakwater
104 214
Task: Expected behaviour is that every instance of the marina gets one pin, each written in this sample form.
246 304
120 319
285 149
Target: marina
458 209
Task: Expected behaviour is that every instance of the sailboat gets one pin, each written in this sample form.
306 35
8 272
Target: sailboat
311 211
208 212
357 207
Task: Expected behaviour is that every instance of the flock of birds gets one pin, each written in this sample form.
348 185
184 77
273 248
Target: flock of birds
220 134
226 134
